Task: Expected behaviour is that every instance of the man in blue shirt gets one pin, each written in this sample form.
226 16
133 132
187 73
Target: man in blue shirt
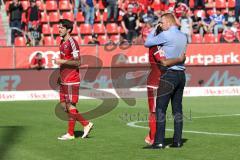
172 81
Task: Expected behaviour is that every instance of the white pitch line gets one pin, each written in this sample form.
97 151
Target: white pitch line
133 124
214 116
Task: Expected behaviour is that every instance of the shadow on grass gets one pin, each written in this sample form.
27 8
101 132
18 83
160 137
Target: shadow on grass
168 141
78 134
8 138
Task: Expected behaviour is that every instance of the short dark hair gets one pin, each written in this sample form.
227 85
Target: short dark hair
67 24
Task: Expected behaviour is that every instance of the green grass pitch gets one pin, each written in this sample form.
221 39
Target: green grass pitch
29 131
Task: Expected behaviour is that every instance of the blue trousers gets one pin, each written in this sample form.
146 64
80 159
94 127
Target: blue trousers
171 87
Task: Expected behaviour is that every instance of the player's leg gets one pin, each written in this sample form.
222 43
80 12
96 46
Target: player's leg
152 115
64 101
74 95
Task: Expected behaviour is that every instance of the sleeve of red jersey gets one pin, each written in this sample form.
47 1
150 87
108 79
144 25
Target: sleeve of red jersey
75 49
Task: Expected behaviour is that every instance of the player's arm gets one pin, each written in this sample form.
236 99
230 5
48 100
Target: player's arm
173 61
75 62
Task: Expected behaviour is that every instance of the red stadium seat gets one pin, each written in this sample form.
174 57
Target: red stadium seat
191 3
86 39
20 41
197 38
221 4
58 40
210 12
99 28
78 39
115 38
54 17
112 28
97 17
210 4
80 18
68 15
103 39
46 30
48 41
55 29
25 4
105 14
101 6
75 30
85 29
3 42
209 38
40 5
51 5
65 5
231 3
44 17
156 5
7 3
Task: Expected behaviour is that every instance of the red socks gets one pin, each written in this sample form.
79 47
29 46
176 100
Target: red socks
152 125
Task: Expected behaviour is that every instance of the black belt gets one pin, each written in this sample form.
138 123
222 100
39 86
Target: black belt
172 70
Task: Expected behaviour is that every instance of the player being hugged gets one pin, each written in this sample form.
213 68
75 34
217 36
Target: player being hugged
69 63
158 64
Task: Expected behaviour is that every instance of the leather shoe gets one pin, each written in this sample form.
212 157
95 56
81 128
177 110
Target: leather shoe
176 145
157 146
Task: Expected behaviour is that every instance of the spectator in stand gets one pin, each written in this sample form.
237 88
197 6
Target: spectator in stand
77 3
230 18
230 33
181 9
130 24
15 11
218 23
186 26
196 23
206 26
146 5
112 9
34 28
94 40
199 4
89 11
137 7
237 9
38 62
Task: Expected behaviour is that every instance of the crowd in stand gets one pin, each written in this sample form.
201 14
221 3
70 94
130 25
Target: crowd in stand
136 18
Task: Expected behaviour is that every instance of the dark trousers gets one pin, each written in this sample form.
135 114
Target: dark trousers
237 11
17 24
112 10
171 88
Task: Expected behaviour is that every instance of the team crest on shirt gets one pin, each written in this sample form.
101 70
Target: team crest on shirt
65 46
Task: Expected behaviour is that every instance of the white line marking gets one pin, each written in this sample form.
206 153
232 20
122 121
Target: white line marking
214 116
133 124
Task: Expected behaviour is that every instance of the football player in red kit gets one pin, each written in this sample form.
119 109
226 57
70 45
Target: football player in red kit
156 58
69 63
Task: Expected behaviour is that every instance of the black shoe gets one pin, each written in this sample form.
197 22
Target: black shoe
176 145
158 146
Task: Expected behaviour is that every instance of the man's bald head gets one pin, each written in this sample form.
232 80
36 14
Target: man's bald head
168 20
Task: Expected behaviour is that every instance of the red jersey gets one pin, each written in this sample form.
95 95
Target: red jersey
69 50
155 73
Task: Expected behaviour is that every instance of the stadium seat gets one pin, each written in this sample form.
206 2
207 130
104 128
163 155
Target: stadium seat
200 13
85 29
48 41
101 6
44 17
97 17
197 38
231 3
55 29
98 28
220 4
210 12
25 4
120 29
3 42
75 30
68 15
112 28
210 4
103 39
24 20
156 5
51 5
78 39
65 5
115 38
80 18
7 3
191 3
105 16
209 38
19 41
58 40
86 39
46 30
40 5
54 17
